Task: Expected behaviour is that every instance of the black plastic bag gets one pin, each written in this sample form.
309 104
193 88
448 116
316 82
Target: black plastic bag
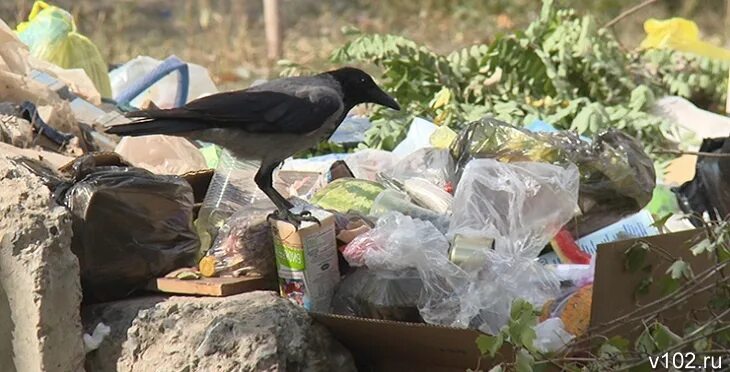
709 191
129 226
380 294
617 177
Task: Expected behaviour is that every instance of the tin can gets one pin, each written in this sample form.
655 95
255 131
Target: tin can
464 250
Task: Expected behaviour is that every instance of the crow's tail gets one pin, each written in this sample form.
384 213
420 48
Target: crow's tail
155 122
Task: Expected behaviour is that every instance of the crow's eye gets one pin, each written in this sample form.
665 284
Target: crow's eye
362 80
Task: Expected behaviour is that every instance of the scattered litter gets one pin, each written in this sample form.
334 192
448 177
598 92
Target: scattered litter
231 189
419 136
617 176
709 191
244 246
161 88
161 154
130 226
51 34
93 341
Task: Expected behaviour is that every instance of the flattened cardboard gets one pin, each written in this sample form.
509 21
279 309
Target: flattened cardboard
614 288
680 170
380 345
383 345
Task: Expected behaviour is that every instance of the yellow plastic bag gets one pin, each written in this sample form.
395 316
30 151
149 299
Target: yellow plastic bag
681 35
51 35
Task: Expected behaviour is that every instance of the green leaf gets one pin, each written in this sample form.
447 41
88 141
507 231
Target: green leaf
524 361
669 285
619 342
521 327
489 345
664 337
645 344
680 269
635 256
520 307
662 221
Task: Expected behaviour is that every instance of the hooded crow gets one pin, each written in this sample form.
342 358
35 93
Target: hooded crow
268 122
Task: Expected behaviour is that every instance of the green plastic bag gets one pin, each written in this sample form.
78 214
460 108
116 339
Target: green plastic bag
51 35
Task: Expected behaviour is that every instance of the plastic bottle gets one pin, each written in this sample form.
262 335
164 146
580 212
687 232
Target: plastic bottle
232 188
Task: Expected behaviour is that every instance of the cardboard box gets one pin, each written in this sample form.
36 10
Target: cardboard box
306 260
380 345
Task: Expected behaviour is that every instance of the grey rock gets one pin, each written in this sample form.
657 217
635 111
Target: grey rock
256 331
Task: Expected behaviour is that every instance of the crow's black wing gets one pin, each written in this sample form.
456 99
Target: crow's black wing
251 111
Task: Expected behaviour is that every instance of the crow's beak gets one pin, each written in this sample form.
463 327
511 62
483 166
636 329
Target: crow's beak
382 98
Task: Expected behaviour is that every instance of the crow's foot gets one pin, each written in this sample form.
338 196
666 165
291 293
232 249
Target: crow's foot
295 219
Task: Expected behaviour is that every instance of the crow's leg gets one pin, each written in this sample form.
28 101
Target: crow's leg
264 180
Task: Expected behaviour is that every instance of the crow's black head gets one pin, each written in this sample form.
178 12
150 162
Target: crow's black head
358 87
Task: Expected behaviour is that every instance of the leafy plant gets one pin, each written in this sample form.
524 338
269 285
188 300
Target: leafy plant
562 68
707 337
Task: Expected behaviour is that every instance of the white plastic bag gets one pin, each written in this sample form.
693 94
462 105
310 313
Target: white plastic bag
164 91
419 136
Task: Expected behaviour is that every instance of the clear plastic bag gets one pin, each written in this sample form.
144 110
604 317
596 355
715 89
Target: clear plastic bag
400 243
617 176
366 164
379 294
391 200
521 206
397 242
244 246
432 164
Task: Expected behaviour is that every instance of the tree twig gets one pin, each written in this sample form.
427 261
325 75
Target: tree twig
695 153
628 12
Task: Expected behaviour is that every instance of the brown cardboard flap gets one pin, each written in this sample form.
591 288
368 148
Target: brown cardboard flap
385 342
199 181
614 288
101 159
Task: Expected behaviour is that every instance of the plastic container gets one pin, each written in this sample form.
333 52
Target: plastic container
232 188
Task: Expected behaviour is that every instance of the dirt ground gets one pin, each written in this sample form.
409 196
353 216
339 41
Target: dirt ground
227 36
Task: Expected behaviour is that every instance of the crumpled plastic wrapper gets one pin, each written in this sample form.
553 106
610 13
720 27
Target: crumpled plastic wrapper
15 131
244 246
617 177
161 154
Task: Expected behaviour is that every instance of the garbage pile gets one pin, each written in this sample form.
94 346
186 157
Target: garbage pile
449 228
